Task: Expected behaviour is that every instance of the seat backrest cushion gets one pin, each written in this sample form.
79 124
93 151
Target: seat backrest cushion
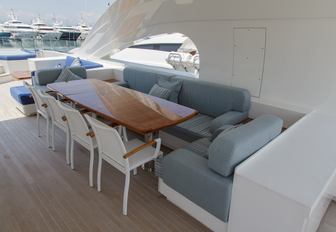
213 99
208 98
47 76
142 80
231 148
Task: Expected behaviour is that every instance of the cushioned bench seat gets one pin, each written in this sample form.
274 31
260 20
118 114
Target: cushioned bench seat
203 171
24 99
87 64
193 129
22 95
217 104
16 55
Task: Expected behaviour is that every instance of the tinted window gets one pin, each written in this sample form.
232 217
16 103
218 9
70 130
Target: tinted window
159 47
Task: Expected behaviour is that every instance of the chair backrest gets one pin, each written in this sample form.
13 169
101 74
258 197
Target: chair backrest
39 101
110 144
77 124
56 111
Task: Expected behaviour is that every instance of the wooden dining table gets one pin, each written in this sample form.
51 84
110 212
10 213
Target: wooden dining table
135 110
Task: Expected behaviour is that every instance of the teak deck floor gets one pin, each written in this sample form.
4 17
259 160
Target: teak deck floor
39 192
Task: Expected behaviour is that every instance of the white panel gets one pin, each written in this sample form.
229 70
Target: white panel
249 57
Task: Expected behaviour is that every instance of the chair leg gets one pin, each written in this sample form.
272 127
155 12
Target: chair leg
135 171
67 147
72 154
124 131
38 124
91 166
99 174
126 189
53 136
48 133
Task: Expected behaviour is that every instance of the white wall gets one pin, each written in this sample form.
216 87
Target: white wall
300 61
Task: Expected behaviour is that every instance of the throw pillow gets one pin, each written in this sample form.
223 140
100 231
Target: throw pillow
173 85
160 92
76 62
66 75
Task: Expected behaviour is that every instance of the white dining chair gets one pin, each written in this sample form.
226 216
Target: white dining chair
41 109
123 156
81 133
58 119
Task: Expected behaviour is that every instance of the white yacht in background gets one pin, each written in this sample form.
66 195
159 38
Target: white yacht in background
18 29
44 31
69 33
84 29
168 50
4 36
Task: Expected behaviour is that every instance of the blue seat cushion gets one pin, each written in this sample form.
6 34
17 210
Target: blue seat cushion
90 64
17 55
84 63
22 95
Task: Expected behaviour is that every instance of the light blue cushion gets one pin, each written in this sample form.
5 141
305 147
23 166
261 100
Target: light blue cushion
188 174
213 99
230 149
44 77
228 118
198 125
174 85
199 147
220 130
141 80
160 92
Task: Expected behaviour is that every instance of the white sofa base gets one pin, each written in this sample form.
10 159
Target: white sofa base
192 209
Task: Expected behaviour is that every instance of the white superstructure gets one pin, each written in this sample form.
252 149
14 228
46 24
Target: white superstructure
71 33
45 31
84 29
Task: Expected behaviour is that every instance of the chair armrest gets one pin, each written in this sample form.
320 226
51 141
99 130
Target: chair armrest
140 148
228 118
91 134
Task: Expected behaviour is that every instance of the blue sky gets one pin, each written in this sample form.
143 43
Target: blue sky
68 11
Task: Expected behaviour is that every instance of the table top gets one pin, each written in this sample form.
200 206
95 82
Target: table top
137 111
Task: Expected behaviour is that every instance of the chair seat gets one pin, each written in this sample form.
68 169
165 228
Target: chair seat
140 157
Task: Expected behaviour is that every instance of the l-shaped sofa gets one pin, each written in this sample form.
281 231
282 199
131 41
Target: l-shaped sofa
198 176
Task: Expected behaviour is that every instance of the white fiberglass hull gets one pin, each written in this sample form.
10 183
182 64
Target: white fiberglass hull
17 34
48 35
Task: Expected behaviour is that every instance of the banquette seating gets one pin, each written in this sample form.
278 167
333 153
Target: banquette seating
218 105
203 172
42 78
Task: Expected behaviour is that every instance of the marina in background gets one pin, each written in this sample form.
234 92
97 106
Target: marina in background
40 36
